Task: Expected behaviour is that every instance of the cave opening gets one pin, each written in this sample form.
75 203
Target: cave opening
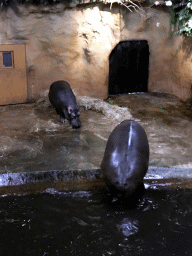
129 67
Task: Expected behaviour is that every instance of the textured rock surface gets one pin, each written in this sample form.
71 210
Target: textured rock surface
170 65
74 44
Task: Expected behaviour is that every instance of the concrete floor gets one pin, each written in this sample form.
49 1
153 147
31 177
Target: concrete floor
33 140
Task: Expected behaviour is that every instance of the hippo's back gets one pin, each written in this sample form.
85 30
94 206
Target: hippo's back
126 156
61 94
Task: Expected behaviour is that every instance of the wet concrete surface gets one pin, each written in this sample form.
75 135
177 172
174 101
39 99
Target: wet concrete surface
33 140
168 124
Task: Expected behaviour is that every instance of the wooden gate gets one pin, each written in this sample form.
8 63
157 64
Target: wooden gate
13 80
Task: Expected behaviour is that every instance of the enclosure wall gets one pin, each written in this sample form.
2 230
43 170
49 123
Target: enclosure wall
74 43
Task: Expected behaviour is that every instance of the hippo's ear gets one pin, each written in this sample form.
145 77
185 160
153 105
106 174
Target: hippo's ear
70 110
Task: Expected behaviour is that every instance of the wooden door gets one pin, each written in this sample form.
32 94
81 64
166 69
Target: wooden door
13 80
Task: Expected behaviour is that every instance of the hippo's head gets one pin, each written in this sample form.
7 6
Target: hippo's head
120 177
74 117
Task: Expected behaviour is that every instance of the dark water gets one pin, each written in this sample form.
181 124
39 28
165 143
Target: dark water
85 223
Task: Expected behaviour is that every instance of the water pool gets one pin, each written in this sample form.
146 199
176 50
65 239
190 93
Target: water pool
87 223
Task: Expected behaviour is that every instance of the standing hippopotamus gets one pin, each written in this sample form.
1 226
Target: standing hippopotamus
126 158
62 98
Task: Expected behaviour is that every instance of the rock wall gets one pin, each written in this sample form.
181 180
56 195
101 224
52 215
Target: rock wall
74 42
170 63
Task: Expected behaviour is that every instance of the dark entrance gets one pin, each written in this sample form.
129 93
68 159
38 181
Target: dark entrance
129 67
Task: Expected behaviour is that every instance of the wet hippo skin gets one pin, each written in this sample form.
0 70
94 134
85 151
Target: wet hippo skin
63 99
126 158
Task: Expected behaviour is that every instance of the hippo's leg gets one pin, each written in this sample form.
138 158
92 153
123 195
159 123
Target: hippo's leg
62 116
62 119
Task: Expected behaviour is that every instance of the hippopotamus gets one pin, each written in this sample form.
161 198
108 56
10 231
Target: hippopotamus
63 99
126 158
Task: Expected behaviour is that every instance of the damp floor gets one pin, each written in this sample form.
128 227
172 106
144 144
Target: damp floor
32 138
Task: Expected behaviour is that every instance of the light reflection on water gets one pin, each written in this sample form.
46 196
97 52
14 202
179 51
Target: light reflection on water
85 223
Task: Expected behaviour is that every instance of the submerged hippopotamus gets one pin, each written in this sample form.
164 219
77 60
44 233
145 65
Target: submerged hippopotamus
63 99
126 158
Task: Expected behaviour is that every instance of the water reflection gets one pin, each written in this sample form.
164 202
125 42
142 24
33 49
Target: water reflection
128 227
